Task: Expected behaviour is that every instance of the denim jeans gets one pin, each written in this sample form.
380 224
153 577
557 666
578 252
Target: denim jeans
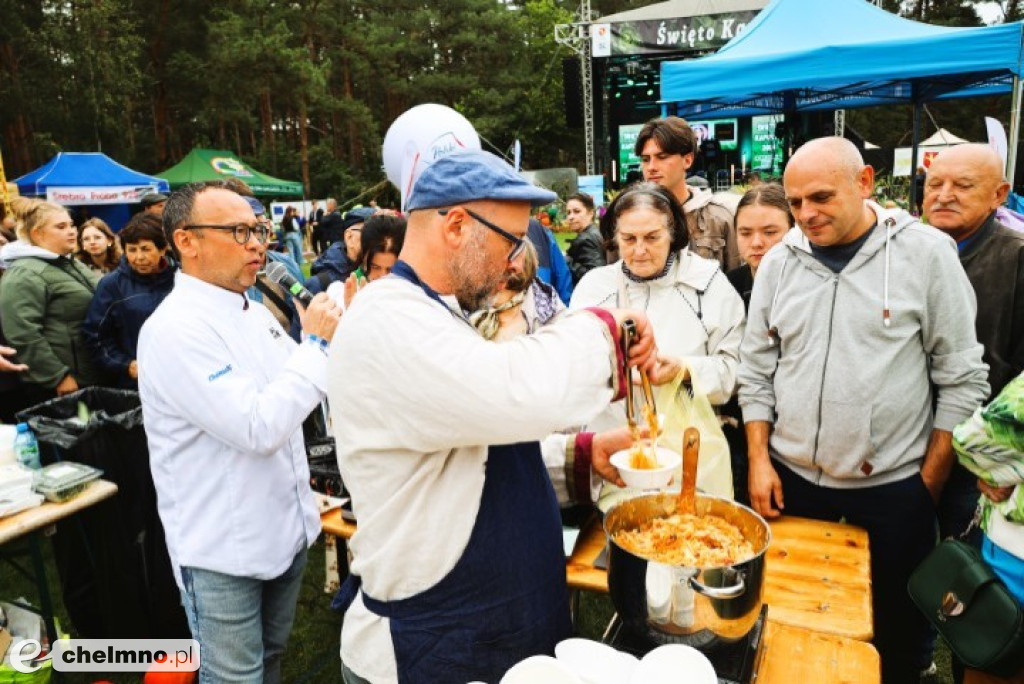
293 241
242 624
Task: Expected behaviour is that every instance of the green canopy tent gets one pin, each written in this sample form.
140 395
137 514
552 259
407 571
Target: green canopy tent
204 165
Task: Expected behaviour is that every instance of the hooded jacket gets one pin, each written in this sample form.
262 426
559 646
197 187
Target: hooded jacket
843 363
124 300
696 313
710 223
332 266
43 300
698 320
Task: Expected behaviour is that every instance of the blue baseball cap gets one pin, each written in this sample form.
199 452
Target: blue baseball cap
469 177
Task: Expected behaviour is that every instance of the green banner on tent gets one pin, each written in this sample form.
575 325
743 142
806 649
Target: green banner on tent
205 165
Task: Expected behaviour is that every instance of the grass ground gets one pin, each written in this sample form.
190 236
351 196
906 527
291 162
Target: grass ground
563 239
312 655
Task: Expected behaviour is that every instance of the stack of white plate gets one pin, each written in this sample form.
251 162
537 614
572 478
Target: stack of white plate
582 661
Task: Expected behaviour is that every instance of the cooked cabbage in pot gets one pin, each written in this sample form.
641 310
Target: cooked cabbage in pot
697 541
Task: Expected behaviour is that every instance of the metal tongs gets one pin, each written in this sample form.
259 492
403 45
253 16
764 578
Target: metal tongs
626 339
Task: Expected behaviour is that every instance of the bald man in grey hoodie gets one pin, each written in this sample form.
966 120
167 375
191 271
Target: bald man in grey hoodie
853 320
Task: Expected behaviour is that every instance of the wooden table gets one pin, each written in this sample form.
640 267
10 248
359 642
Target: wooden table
29 524
817 575
335 525
33 519
792 655
817 587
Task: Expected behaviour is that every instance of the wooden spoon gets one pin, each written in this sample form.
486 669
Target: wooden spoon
688 491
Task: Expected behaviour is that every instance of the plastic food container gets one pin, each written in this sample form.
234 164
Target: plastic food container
62 481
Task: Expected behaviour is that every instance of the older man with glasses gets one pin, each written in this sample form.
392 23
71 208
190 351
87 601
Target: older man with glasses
224 392
458 567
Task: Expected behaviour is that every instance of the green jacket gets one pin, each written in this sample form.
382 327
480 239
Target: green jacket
43 302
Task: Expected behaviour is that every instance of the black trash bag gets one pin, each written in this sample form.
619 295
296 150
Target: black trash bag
112 558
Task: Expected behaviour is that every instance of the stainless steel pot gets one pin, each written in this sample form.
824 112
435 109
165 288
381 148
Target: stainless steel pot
699 607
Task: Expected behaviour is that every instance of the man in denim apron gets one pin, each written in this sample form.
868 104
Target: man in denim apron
458 568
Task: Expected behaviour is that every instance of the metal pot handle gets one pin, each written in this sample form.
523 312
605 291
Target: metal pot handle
735 591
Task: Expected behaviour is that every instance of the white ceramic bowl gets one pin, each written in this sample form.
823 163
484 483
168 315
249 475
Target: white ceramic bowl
540 669
654 478
674 663
594 662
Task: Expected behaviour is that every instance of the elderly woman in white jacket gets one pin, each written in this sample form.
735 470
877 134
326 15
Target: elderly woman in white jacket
697 315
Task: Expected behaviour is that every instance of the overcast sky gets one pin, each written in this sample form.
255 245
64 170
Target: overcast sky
989 12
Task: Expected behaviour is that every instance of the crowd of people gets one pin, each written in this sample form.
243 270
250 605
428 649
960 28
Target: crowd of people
477 390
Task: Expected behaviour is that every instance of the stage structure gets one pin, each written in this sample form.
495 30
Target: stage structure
613 85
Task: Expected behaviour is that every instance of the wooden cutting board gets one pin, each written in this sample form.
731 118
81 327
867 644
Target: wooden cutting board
818 576
793 655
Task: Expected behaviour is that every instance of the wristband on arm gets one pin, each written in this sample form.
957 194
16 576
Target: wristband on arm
578 457
320 342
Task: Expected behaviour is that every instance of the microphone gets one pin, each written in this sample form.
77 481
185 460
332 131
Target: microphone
277 273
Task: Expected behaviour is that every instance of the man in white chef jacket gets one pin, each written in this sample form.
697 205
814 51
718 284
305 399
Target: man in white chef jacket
224 394
459 570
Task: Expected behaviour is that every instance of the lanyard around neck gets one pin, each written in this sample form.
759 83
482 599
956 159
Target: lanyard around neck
404 271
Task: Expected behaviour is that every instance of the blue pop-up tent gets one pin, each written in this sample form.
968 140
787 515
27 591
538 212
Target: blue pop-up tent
90 178
801 55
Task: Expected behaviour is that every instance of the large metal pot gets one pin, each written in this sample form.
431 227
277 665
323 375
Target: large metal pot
699 607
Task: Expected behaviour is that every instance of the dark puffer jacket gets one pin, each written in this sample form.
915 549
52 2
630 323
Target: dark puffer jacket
124 300
333 265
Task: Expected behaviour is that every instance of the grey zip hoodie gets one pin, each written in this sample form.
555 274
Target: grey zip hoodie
843 363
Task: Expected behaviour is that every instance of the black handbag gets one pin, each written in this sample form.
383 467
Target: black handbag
971 608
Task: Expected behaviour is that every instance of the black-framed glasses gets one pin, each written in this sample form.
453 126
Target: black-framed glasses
242 232
518 243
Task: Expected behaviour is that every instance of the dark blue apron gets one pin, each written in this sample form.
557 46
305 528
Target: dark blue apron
506 598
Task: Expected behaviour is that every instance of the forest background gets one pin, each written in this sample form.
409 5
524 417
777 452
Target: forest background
305 89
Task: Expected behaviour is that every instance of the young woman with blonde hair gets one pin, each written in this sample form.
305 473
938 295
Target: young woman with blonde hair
44 295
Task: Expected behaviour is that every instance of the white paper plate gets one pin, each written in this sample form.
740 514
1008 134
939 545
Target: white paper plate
540 670
672 664
594 662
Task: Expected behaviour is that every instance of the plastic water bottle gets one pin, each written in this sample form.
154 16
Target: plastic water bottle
26 448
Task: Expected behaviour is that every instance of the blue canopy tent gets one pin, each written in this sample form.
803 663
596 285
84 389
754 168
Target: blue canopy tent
90 178
803 55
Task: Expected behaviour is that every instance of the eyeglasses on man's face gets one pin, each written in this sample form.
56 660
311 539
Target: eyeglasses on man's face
518 243
242 232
